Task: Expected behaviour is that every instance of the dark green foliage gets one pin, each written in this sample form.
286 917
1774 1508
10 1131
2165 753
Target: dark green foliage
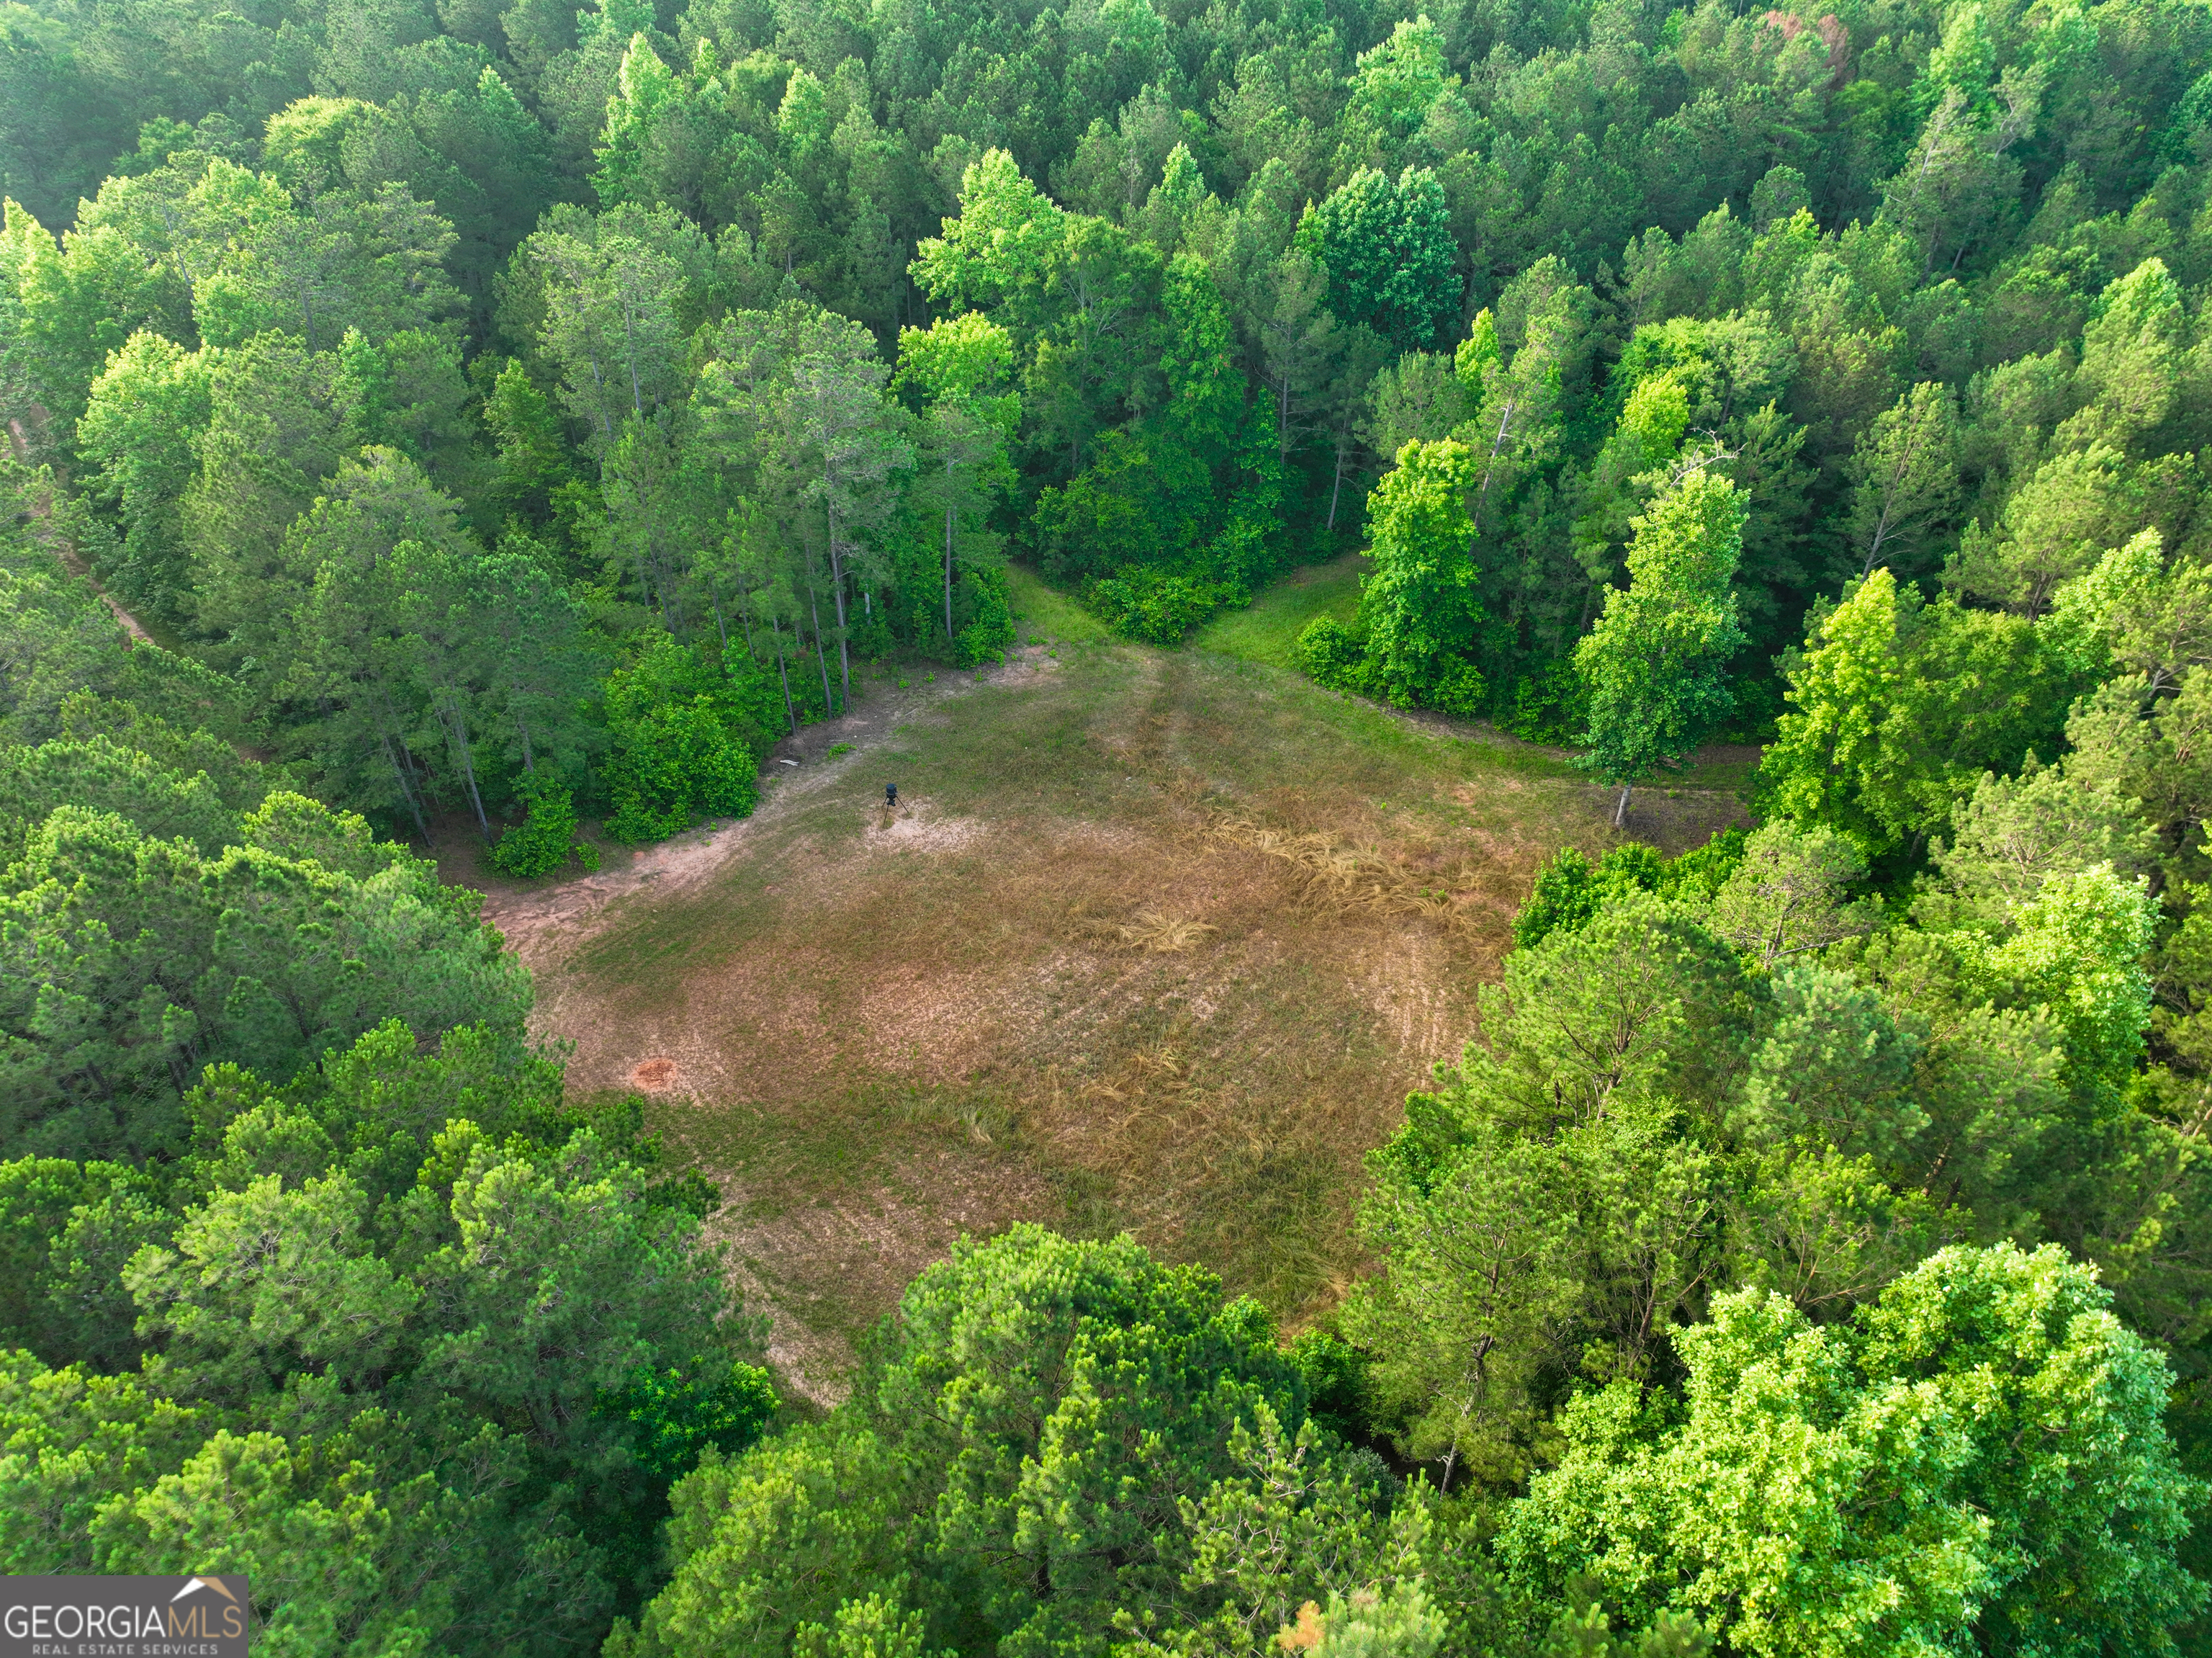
1550 707
138 954
675 1418
1387 246
1335 1376
988 636
416 1285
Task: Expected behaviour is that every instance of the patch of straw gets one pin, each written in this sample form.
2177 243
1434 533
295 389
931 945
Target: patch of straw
1340 878
1164 934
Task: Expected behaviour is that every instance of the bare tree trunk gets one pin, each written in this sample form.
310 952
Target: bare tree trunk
1620 812
837 599
948 552
630 332
407 791
790 712
457 732
814 609
1336 488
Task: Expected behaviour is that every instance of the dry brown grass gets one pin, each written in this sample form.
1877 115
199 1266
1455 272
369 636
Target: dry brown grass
1154 943
1164 934
1334 876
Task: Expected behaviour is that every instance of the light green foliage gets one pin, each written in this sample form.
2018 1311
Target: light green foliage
612 292
402 1373
2013 833
1569 889
959 367
1655 663
2055 528
104 775
142 412
2076 948
1835 1067
2133 614
2133 361
1034 1446
241 784
1982 1447
1294 1523
1904 479
1417 608
1788 894
1541 1214
1156 608
870 1628
546 839
1899 708
1647 436
776 1539
1004 241
1056 1510
501 414
78 1440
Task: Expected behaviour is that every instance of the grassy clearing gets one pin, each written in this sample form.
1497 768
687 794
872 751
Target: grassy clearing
1267 630
1157 940
1046 617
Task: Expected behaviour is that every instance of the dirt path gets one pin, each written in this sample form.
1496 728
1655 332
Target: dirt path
20 441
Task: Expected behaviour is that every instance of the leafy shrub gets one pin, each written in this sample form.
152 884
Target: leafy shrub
1548 707
1104 518
1332 654
1569 889
1461 690
673 766
678 751
1157 608
1702 871
993 629
1335 1376
546 839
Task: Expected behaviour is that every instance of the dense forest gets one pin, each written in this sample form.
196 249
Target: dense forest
437 420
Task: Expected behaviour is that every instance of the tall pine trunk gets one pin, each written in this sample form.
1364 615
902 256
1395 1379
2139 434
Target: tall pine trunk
837 599
790 712
814 609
